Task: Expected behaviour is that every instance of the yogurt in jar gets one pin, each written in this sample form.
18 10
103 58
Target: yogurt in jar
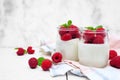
93 48
94 55
69 49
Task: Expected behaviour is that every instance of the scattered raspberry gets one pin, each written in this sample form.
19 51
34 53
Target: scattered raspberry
20 51
66 37
112 54
33 62
30 50
98 39
57 57
40 59
46 64
115 62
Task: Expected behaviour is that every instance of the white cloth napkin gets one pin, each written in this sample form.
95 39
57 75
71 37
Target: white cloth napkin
107 73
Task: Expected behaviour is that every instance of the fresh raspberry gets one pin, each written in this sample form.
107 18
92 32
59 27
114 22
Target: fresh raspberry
115 62
46 64
66 37
20 51
98 39
74 31
33 62
100 31
112 54
57 57
62 30
88 42
30 50
88 35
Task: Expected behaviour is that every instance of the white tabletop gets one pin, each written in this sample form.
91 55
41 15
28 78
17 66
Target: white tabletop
13 67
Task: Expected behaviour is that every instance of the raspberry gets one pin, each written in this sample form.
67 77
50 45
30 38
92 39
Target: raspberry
112 54
115 62
62 30
98 39
88 35
57 57
100 31
46 64
66 37
20 51
33 62
30 50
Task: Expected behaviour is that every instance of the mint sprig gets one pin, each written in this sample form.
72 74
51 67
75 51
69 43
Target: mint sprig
68 24
90 28
99 26
40 59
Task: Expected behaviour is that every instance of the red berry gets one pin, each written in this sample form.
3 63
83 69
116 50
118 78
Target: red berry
46 64
20 51
112 54
30 50
98 39
88 35
100 31
66 37
33 62
74 31
62 30
57 57
115 62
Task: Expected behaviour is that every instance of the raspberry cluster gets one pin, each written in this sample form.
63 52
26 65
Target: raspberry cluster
94 35
69 31
114 59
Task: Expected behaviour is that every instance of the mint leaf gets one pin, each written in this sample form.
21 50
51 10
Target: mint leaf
90 28
40 59
65 25
69 22
99 26
25 51
16 48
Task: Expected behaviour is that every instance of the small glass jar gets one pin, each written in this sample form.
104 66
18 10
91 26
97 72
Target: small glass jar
67 42
93 48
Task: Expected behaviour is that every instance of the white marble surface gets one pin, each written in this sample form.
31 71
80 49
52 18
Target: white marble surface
13 67
26 22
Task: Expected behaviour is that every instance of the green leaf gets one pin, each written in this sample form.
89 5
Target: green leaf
65 25
90 28
99 26
25 51
40 59
16 48
69 22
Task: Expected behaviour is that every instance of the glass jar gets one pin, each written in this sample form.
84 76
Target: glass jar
93 48
67 42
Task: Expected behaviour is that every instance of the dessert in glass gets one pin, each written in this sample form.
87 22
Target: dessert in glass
67 41
93 48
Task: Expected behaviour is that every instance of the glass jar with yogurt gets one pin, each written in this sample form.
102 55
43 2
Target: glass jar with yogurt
93 48
67 41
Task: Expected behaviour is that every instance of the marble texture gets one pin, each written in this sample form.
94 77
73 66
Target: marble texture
27 22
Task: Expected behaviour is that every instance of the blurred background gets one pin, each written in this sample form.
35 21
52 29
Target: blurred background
27 22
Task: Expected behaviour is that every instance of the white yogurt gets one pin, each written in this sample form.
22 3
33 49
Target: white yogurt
69 49
94 55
